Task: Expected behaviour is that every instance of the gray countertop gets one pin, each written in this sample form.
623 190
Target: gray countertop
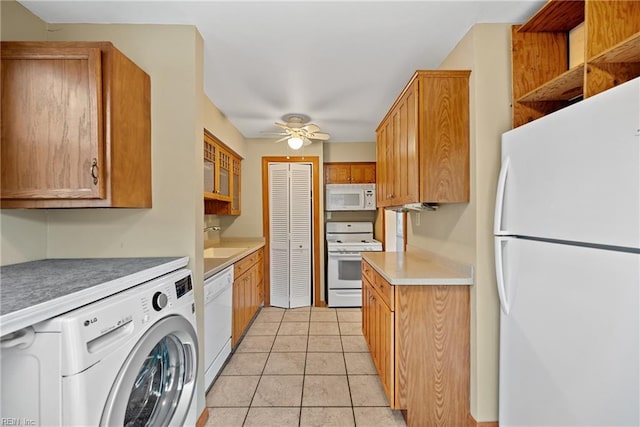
34 291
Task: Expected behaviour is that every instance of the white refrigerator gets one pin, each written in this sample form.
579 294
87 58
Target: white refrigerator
567 247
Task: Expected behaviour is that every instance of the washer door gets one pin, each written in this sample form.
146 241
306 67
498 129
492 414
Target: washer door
157 381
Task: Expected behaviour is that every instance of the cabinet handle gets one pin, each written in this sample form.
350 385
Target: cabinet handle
94 171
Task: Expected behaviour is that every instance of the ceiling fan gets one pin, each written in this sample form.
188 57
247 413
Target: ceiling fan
297 131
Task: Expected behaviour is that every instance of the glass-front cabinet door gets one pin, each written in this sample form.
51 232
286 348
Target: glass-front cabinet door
225 173
222 177
235 201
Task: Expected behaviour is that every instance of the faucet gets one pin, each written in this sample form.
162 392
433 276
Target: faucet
213 228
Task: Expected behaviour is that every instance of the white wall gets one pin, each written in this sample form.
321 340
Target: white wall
464 231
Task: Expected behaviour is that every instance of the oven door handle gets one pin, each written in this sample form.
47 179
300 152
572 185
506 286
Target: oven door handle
355 256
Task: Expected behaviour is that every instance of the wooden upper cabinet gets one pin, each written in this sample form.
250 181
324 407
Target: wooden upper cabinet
350 173
222 177
542 78
76 127
363 173
381 167
337 173
425 134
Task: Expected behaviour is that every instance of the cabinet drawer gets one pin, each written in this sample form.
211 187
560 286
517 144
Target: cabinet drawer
367 271
245 263
385 289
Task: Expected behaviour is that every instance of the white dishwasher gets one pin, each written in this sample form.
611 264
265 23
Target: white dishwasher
217 322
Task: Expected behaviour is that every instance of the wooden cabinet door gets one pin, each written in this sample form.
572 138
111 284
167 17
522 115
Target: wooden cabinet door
224 172
337 173
388 154
247 285
76 127
363 173
222 191
259 286
366 311
407 150
52 141
393 171
381 331
235 185
381 164
444 148
237 311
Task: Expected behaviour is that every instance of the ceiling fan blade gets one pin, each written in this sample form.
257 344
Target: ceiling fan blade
311 128
281 125
306 141
264 132
282 139
319 136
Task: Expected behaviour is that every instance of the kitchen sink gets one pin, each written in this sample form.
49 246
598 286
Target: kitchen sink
222 252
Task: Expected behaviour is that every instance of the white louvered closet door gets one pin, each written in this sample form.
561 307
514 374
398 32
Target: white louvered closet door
279 234
290 234
300 236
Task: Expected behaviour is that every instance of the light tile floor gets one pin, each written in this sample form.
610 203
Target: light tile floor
301 367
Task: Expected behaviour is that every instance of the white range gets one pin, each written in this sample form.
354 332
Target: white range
345 242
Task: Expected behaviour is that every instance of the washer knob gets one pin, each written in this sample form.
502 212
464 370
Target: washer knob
159 301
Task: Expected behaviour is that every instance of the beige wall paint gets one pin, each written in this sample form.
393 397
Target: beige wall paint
464 231
349 151
171 227
493 117
23 233
217 123
173 57
17 23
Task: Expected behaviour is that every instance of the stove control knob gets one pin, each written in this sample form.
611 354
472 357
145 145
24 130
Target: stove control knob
159 301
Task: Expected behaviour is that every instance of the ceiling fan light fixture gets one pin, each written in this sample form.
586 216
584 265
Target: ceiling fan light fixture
295 142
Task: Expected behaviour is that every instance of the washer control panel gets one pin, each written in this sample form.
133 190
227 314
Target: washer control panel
183 286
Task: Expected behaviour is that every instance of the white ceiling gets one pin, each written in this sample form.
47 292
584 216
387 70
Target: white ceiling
342 63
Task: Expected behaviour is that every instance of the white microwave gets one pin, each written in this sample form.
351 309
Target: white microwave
350 197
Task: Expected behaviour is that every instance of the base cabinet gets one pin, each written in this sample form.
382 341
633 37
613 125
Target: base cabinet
248 292
418 337
378 328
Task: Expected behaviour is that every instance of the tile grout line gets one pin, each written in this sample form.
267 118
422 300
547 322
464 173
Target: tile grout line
261 374
304 371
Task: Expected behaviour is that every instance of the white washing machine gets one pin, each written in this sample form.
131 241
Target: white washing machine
129 360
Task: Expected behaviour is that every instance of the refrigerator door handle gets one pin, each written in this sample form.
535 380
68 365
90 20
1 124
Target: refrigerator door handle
504 304
502 185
